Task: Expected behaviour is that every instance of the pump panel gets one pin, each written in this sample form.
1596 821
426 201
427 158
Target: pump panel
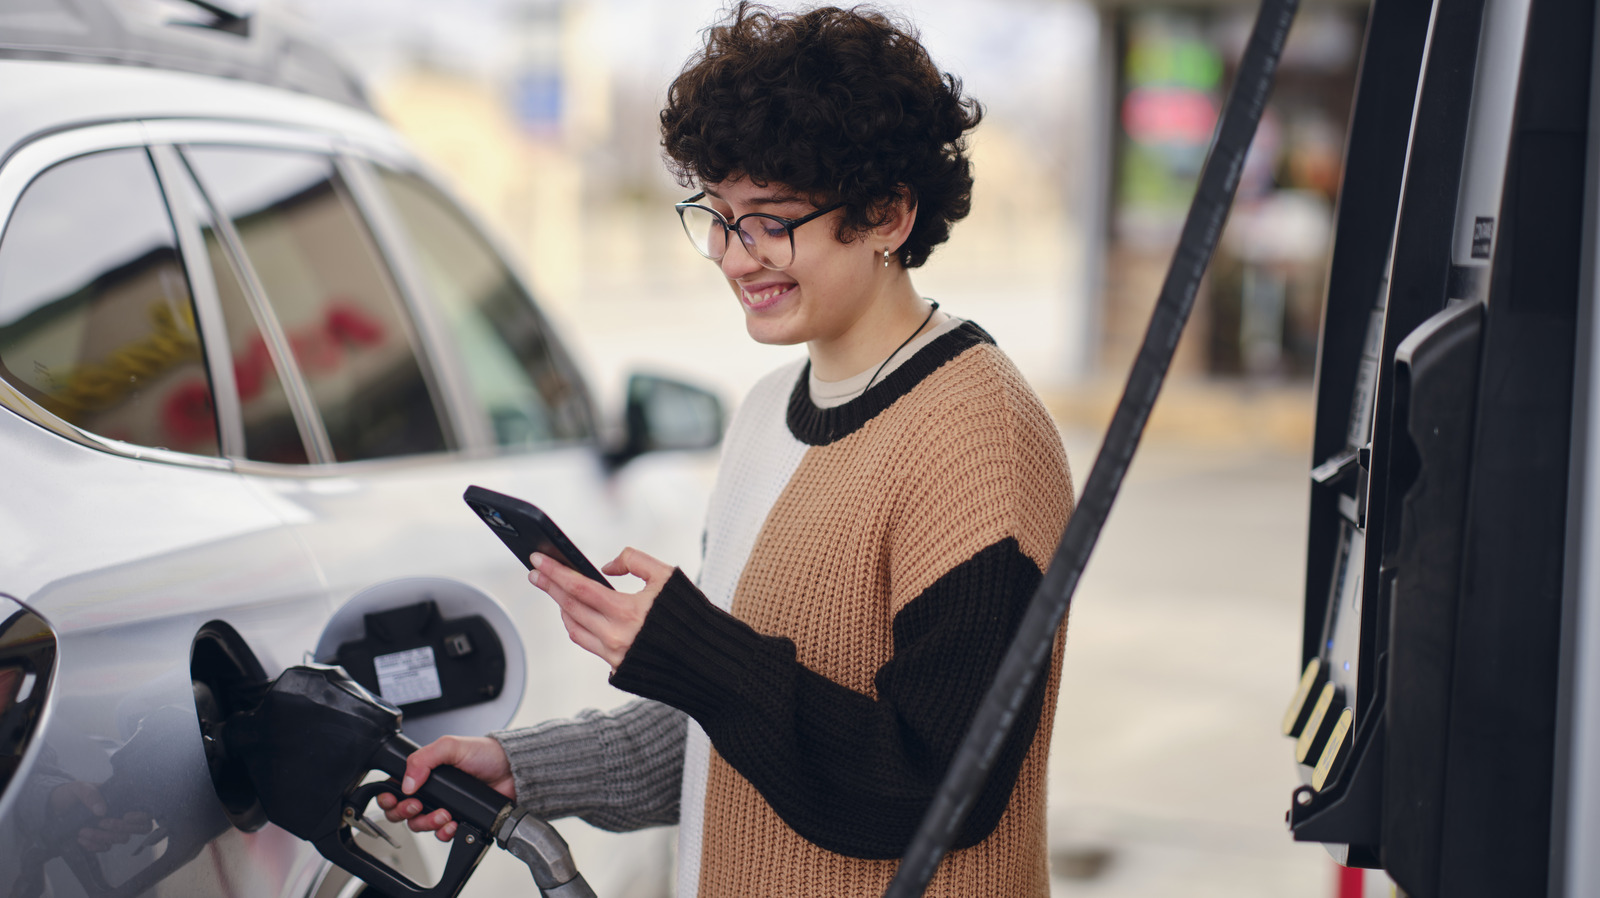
1424 717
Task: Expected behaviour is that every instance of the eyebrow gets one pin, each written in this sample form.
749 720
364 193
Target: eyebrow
777 199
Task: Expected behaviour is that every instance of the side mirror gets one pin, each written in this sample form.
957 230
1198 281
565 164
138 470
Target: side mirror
665 414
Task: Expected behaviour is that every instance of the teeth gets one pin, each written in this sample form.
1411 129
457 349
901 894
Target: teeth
757 298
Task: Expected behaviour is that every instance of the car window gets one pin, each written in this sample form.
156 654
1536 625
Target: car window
270 432
97 324
510 361
315 260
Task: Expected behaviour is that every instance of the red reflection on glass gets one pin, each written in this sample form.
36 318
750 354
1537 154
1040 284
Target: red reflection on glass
319 348
187 414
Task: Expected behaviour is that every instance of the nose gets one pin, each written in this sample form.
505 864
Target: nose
738 261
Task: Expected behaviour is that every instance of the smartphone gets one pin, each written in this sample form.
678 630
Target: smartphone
526 530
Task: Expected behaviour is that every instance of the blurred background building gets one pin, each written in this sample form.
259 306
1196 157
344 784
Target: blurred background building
1167 775
542 112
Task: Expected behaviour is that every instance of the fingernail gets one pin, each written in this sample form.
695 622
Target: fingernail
538 560
408 785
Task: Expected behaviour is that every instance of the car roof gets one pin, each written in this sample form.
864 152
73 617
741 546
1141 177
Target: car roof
43 98
219 38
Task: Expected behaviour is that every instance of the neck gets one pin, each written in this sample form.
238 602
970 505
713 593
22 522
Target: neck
882 326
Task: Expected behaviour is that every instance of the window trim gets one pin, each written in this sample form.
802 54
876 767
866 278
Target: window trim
170 171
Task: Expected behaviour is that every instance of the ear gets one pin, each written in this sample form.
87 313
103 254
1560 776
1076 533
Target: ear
900 216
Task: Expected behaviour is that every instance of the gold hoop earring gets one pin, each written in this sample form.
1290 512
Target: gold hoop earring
885 258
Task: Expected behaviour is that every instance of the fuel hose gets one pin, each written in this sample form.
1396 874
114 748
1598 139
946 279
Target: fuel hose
1029 651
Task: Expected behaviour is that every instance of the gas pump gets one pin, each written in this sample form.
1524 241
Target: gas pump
1424 722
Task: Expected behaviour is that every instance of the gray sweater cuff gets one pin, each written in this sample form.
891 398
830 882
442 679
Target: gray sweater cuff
618 770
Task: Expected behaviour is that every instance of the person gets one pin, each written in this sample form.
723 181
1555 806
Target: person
882 512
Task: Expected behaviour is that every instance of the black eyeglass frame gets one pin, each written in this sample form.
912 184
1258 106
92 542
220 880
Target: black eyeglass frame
789 224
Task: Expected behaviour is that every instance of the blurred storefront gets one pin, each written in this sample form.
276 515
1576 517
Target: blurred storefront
1165 71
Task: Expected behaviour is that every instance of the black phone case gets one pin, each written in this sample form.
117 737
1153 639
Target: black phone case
525 529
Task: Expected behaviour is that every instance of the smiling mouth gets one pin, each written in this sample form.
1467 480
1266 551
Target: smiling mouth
766 297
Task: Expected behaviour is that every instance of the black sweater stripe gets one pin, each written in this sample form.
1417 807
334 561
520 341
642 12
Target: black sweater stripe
820 426
850 773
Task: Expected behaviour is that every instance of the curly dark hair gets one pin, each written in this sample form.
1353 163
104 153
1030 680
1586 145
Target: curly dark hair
842 105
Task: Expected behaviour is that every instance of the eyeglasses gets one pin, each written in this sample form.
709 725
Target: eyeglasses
769 239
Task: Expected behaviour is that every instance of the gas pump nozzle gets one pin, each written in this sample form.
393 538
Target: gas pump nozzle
312 738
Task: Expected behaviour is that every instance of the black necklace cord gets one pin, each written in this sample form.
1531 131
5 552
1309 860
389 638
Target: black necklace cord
897 349
1030 648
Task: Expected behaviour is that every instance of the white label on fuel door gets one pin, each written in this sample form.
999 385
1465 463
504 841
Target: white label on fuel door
407 677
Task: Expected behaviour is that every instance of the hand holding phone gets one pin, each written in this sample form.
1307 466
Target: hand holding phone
525 529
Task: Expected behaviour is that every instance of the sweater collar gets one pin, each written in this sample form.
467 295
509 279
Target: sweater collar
820 426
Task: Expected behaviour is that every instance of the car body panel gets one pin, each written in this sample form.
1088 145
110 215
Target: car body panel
126 566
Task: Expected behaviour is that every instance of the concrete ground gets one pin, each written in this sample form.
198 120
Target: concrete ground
1168 776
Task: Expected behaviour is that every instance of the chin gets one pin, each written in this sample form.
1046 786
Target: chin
765 333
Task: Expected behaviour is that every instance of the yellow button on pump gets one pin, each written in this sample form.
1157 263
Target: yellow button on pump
1336 746
1294 719
1310 737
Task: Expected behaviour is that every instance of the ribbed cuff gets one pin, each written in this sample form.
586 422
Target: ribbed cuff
554 766
619 770
689 653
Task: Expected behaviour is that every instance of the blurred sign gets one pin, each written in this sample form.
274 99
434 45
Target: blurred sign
536 102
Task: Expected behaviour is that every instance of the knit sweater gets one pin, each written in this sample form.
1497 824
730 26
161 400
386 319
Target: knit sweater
866 566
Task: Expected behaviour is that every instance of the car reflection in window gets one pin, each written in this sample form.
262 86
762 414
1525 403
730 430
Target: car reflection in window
96 320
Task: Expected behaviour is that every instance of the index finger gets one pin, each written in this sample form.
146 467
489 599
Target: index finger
420 764
569 580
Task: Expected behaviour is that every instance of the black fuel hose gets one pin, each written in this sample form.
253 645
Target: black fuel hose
1030 649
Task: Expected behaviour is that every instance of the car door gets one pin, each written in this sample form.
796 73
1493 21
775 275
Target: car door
426 368
423 366
126 531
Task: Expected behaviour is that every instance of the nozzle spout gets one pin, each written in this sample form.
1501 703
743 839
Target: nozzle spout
537 844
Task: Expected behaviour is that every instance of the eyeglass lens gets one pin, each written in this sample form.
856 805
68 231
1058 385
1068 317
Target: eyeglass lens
767 239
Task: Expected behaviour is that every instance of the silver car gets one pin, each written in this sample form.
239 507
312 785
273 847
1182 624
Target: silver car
250 356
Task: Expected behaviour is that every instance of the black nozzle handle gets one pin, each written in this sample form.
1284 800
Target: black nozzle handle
465 852
467 798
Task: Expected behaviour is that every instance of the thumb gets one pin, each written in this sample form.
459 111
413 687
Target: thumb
642 565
